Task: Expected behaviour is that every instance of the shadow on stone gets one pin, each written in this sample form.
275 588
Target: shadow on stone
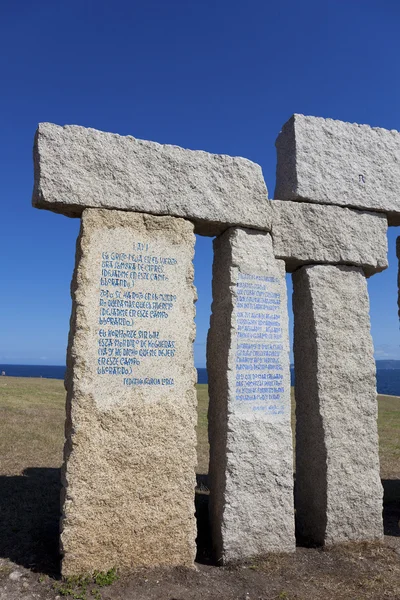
29 519
391 507
391 512
203 541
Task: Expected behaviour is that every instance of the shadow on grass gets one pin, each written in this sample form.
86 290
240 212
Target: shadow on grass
29 519
391 506
30 513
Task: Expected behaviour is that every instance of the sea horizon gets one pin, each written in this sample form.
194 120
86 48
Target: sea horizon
387 375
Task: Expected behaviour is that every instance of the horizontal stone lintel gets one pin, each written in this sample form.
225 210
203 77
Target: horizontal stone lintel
305 233
77 168
332 162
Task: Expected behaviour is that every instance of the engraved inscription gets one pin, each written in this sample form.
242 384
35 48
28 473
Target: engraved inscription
259 370
134 301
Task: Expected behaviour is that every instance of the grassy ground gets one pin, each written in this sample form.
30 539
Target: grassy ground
31 423
202 436
32 426
31 441
389 436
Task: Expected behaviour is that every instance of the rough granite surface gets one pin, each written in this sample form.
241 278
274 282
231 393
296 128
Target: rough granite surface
251 463
305 233
332 162
338 487
78 168
130 452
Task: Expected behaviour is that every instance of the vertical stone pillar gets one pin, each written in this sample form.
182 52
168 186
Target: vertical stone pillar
130 452
251 462
338 489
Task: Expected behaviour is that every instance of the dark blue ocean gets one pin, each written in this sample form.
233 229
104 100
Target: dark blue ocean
388 379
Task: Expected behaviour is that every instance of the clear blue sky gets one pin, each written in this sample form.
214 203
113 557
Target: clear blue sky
221 76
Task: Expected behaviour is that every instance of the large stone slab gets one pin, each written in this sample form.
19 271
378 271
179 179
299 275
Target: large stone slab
332 162
77 168
130 451
251 463
305 233
338 488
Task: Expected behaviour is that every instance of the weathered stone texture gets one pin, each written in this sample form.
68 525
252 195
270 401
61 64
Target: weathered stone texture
77 168
130 451
306 233
332 162
251 464
338 489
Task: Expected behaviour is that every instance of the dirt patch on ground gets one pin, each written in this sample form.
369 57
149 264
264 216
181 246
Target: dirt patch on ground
354 572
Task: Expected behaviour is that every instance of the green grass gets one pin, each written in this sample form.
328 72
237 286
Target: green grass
81 587
389 436
32 415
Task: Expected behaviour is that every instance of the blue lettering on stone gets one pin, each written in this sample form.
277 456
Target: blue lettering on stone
124 341
259 365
